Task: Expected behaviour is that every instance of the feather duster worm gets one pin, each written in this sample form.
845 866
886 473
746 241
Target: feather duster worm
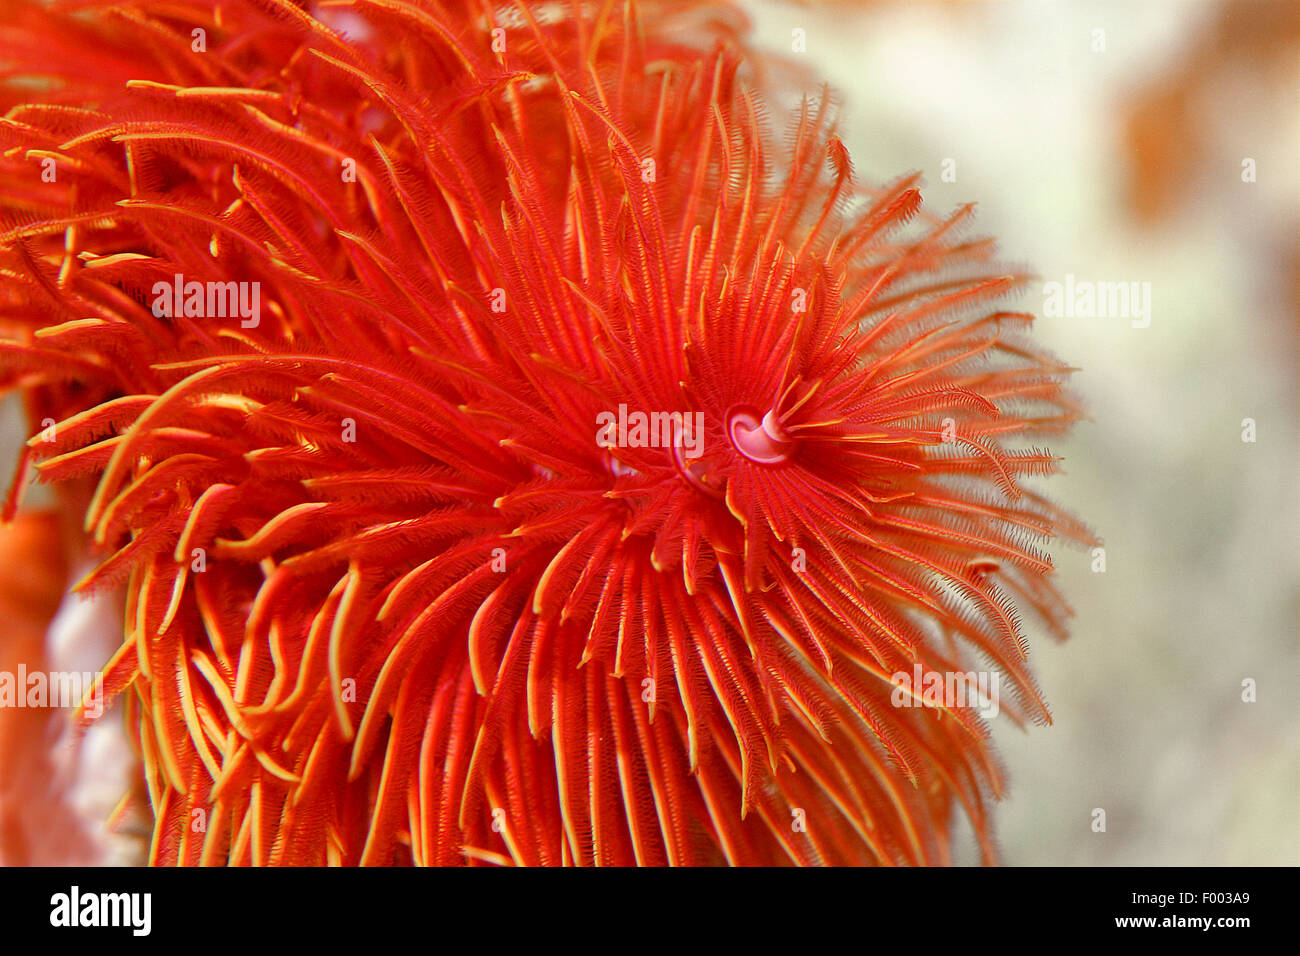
393 594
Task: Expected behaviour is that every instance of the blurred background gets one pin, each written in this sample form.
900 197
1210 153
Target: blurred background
1122 142
1113 142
